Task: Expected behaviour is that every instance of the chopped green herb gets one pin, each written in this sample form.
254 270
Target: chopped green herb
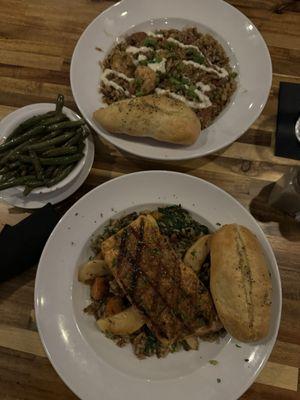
143 62
233 74
193 253
218 380
150 42
237 345
177 223
195 55
198 59
169 45
139 93
213 362
114 262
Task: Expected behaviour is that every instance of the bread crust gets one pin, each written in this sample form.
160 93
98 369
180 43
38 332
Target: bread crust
159 117
240 283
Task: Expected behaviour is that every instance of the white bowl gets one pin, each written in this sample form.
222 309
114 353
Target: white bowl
245 47
9 123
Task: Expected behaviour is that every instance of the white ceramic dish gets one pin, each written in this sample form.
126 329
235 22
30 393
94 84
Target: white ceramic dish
15 197
11 121
92 365
243 43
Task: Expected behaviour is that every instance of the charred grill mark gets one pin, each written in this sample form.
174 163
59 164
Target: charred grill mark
123 248
138 254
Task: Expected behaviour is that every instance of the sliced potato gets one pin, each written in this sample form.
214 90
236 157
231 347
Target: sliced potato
123 323
192 341
91 269
197 253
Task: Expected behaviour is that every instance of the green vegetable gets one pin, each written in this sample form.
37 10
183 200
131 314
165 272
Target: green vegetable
61 160
177 223
59 151
20 139
169 45
37 164
61 174
213 362
198 58
195 55
233 74
59 104
143 62
19 181
48 143
63 125
29 123
150 42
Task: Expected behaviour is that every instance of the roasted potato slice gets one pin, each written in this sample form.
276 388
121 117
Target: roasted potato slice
91 269
123 323
197 253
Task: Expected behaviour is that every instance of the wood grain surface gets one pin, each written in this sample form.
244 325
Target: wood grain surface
37 38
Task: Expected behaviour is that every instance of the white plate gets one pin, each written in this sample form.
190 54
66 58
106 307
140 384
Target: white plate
92 365
243 43
12 120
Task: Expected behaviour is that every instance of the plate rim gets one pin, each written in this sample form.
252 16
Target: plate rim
57 368
109 137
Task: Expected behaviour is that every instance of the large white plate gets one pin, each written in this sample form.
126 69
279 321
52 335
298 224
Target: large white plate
243 43
93 366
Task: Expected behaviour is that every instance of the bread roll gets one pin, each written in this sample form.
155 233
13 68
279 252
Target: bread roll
159 117
240 283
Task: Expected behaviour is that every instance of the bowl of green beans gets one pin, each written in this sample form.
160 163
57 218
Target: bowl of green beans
43 148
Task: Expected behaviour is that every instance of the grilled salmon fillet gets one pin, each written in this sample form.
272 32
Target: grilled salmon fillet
154 279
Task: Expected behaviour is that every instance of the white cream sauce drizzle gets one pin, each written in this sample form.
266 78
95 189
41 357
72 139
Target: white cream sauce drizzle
203 86
221 72
113 84
160 66
134 50
184 46
141 57
193 104
153 34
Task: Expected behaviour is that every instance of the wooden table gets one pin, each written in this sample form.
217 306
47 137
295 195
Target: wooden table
36 44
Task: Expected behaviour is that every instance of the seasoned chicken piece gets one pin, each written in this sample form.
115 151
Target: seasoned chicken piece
174 302
147 79
122 63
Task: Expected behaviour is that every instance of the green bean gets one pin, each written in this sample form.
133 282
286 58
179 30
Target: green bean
52 160
61 160
48 143
60 151
48 171
29 123
68 124
54 120
85 131
8 176
18 181
62 174
29 134
36 164
31 185
59 103
13 151
75 139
